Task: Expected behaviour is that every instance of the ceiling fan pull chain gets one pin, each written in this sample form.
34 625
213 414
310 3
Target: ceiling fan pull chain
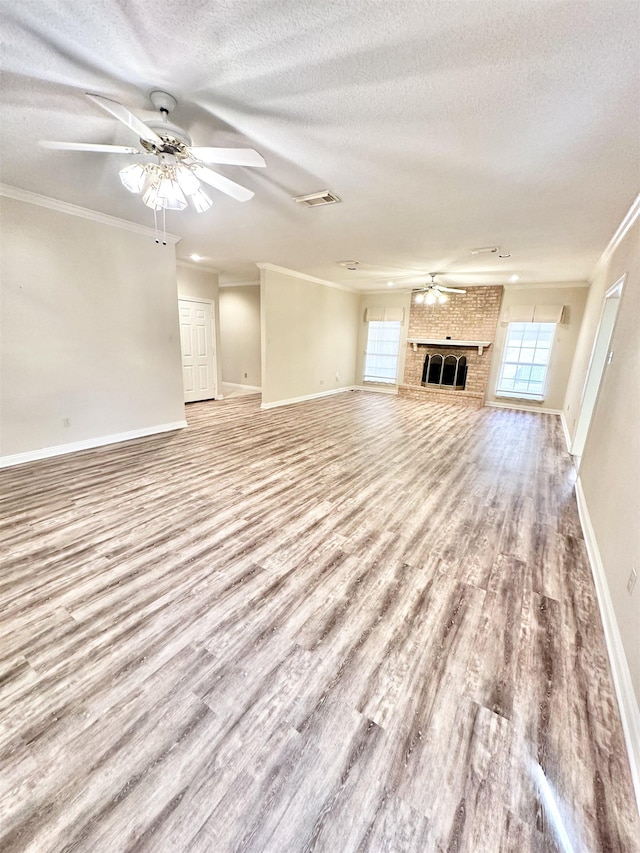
164 226
155 224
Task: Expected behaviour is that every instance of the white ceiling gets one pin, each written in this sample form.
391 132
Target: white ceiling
442 126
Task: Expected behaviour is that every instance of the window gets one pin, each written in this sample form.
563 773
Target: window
525 361
383 343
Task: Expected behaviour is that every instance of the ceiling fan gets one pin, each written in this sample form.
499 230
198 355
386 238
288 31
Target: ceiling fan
177 168
432 292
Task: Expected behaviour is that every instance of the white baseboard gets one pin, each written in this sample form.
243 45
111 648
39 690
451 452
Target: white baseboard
565 430
522 407
86 444
306 397
376 389
629 709
243 387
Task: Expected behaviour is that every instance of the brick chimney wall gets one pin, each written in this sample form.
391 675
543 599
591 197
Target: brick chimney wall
472 316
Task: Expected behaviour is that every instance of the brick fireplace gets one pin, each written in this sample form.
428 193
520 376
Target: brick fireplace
469 322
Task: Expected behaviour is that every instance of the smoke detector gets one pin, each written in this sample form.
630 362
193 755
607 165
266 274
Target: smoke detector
317 199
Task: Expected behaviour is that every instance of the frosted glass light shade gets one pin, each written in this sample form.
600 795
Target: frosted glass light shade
420 298
430 299
169 194
189 184
133 177
201 201
150 198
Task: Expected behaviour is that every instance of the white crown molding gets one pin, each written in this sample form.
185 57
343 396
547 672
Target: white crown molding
389 290
305 277
621 232
306 397
196 265
240 284
83 212
627 702
548 285
87 444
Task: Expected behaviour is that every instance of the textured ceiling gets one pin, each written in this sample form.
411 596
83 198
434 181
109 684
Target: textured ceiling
441 125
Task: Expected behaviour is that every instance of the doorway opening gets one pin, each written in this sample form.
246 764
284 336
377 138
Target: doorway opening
601 357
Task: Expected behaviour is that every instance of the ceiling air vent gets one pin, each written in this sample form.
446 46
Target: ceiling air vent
316 199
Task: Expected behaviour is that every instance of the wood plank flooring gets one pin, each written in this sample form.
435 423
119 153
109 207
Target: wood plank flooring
361 623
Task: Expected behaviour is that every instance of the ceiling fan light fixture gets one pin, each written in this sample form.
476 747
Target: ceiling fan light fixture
170 195
420 298
188 182
134 177
200 200
178 172
150 197
430 298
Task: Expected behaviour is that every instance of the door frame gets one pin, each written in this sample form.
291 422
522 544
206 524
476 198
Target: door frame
214 340
599 360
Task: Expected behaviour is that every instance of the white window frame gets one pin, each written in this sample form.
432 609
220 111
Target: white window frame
372 351
537 396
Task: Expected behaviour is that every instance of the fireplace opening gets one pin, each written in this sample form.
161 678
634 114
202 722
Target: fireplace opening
450 370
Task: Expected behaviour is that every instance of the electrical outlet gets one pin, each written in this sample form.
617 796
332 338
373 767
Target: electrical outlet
66 422
633 577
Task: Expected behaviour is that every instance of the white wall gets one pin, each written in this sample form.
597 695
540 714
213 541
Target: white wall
574 299
89 330
201 283
240 334
609 474
610 465
309 335
388 299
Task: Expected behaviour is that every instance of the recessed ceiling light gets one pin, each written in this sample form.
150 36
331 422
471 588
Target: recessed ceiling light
196 257
514 278
349 265
389 284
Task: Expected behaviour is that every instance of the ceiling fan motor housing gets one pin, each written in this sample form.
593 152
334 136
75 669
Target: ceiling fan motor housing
174 137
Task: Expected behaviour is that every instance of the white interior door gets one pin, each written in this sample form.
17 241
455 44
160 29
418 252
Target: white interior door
198 354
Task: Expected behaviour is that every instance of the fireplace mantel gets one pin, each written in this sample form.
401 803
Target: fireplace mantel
447 343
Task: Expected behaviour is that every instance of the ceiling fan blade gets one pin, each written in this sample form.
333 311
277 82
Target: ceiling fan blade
221 183
449 289
126 117
229 156
89 146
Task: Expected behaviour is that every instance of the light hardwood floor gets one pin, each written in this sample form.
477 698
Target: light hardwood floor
360 623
